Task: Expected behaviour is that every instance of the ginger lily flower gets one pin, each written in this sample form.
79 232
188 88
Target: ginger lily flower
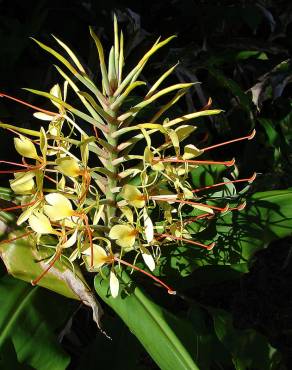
59 207
114 284
124 235
40 223
68 166
23 183
25 147
99 257
133 196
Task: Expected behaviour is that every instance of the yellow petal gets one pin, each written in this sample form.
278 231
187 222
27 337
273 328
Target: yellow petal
190 151
40 223
148 259
125 235
114 284
133 195
23 183
99 256
148 227
72 240
43 116
59 207
68 166
25 147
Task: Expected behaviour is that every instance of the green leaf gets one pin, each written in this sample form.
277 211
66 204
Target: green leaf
249 349
28 319
152 325
267 216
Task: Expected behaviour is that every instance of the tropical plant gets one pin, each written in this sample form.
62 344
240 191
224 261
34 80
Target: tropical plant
101 187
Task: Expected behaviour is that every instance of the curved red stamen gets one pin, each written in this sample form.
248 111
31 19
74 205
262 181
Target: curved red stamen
248 137
54 260
17 207
208 247
249 180
225 209
16 238
169 290
29 105
191 161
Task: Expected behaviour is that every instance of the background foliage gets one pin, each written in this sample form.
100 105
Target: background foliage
230 304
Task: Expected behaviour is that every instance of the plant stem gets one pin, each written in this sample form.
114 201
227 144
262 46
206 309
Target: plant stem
112 182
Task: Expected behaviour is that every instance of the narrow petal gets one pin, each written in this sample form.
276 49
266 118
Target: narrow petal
40 223
114 284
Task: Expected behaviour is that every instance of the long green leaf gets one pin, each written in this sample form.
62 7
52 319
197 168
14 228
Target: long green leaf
28 319
152 325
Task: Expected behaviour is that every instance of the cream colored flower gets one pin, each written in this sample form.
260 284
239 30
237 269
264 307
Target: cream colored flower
23 183
114 284
125 235
25 147
59 207
68 166
133 196
99 256
40 223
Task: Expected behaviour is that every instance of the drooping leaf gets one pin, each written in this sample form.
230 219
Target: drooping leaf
153 326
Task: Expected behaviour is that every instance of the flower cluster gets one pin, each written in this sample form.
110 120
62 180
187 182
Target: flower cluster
86 188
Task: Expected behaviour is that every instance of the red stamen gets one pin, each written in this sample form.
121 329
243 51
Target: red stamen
16 238
176 160
225 209
54 260
194 219
208 247
29 105
248 137
27 167
240 207
169 290
17 207
249 180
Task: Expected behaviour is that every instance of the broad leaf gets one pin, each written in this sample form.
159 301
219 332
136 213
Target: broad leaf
29 317
156 328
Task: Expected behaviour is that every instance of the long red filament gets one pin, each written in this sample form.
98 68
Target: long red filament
169 290
248 137
225 209
16 238
250 180
191 161
19 206
54 260
208 247
29 105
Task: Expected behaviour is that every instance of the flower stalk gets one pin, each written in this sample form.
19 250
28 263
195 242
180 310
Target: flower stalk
95 196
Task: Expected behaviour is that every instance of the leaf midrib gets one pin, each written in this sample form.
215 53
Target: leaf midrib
181 358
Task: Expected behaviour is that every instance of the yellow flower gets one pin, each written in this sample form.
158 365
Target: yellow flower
134 196
25 147
40 223
114 284
23 183
68 166
59 207
99 256
125 235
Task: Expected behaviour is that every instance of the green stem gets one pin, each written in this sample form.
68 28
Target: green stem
112 182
